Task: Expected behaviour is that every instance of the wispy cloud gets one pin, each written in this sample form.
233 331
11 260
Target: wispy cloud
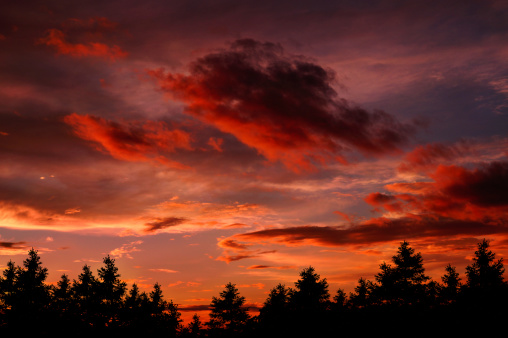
88 47
126 249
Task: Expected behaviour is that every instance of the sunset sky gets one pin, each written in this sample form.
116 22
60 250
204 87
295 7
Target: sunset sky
206 142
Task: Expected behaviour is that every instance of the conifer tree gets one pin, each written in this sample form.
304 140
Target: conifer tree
405 282
449 291
340 300
485 272
227 311
361 297
8 285
85 288
33 295
133 299
112 288
311 293
62 294
277 302
194 327
274 315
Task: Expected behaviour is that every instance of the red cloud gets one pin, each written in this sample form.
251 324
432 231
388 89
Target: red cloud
457 192
485 186
285 107
131 141
93 31
424 158
343 215
216 143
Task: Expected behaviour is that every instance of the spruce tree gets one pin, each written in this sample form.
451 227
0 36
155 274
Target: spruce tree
227 311
485 272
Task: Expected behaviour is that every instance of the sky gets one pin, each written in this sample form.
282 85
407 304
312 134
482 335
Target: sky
206 142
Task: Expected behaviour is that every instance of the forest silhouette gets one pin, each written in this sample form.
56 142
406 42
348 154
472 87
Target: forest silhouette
401 301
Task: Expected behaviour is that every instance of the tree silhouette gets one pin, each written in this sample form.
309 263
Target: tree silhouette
136 310
62 305
133 300
311 292
274 315
309 303
450 289
277 302
62 294
340 300
485 272
192 329
403 298
111 287
361 297
195 326
404 283
85 288
8 287
110 290
33 294
63 289
86 296
26 294
227 312
171 319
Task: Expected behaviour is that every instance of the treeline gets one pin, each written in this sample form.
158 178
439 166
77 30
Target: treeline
402 300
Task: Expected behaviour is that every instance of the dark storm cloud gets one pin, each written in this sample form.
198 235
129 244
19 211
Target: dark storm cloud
477 194
377 230
12 245
193 308
233 258
283 106
160 223
255 267
486 186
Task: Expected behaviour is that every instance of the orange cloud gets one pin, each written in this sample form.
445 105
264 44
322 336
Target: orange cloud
231 244
126 249
257 286
235 251
159 223
131 140
256 267
163 270
232 258
215 215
